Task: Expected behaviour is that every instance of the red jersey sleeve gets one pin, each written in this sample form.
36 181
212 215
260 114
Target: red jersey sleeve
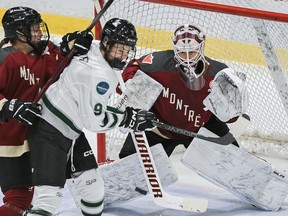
131 69
6 75
54 59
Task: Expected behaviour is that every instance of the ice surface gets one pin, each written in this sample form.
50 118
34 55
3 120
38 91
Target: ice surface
221 202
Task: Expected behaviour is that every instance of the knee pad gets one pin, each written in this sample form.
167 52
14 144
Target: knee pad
17 200
87 189
46 198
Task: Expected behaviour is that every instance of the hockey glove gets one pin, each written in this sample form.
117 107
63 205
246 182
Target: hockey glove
229 95
80 40
24 112
137 119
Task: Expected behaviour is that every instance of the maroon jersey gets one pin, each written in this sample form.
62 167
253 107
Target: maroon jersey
177 105
22 77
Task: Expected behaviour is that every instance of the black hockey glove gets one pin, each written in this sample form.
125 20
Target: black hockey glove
24 112
81 40
137 119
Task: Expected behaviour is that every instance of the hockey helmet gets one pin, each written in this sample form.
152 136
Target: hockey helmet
118 31
18 21
188 44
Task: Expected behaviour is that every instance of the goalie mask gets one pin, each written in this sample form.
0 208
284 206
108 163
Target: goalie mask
188 44
118 31
22 23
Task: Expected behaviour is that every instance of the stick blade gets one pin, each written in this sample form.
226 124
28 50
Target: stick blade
195 205
182 203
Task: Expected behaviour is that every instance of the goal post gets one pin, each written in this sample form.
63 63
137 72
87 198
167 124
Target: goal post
250 36
100 137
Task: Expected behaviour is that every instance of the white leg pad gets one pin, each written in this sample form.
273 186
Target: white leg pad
87 189
243 174
47 198
124 179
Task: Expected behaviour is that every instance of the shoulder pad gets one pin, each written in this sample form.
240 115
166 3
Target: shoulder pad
215 66
158 61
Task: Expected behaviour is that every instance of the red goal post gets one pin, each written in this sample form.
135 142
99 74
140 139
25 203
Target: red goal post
249 36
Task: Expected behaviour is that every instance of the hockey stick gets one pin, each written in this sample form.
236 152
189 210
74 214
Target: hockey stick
160 197
224 140
228 138
272 61
59 69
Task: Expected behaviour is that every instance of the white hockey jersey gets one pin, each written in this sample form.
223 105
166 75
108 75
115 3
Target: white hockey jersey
79 98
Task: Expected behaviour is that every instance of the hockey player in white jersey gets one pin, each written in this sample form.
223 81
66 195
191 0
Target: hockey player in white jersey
78 100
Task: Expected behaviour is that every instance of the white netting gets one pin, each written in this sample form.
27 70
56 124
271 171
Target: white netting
232 40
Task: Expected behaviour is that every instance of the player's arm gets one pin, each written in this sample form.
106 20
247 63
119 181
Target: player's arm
24 112
229 96
131 118
97 116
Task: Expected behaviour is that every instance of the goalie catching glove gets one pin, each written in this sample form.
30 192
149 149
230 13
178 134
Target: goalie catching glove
137 119
24 112
229 96
81 40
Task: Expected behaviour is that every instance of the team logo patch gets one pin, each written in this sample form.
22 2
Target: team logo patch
102 88
148 59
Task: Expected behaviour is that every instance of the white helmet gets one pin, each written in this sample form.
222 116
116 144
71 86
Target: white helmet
188 44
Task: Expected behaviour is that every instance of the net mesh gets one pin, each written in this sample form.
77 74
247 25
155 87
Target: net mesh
231 39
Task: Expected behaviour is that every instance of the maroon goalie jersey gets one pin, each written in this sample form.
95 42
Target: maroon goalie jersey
22 77
177 105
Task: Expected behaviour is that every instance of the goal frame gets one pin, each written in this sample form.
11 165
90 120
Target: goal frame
219 8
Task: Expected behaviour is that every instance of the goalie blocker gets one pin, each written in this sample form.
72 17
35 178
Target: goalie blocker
246 176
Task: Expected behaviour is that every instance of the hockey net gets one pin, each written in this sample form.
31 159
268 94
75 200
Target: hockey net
250 36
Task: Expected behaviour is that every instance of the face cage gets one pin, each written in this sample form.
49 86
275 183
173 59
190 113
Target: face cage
117 63
38 47
188 67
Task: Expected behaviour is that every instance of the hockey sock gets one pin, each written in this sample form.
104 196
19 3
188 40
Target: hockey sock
47 198
87 189
16 201
8 209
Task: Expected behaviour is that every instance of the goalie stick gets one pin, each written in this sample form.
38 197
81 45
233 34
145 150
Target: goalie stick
224 140
272 61
241 124
160 197
68 58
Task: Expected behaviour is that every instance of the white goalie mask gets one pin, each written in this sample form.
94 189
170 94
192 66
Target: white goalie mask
188 44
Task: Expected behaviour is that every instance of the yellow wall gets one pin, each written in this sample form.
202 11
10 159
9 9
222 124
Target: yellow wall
60 25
